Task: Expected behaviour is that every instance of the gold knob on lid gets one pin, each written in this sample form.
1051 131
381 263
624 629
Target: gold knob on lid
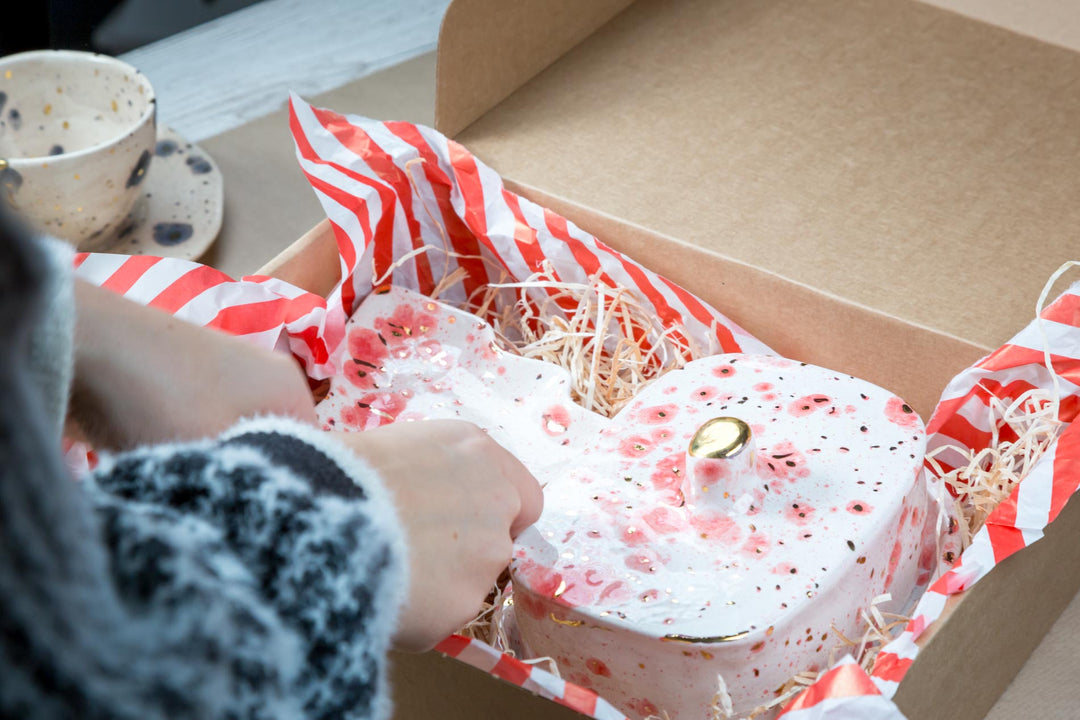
719 438
720 466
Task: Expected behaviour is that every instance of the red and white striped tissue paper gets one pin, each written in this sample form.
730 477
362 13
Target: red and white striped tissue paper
409 206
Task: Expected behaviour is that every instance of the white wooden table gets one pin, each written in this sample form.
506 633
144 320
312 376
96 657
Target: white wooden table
242 66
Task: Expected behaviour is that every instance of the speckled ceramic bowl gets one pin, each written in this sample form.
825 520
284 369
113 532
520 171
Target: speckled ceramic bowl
77 133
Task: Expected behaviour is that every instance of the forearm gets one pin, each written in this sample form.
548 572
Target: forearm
142 375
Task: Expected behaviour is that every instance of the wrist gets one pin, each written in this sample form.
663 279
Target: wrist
102 359
143 375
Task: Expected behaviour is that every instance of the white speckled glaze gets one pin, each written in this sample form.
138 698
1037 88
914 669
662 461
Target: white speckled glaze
647 595
643 583
77 134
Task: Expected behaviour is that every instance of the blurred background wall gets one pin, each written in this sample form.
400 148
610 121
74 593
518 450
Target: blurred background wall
107 26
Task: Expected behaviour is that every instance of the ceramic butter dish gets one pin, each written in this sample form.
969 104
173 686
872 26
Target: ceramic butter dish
712 538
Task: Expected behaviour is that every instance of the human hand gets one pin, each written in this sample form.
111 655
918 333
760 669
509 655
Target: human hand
143 376
462 499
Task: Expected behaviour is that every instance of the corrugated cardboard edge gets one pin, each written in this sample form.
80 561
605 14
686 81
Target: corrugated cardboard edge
310 263
973 655
525 39
416 681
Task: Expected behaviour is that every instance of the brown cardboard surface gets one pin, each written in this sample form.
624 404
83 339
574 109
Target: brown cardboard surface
311 263
899 156
1046 686
433 686
492 51
989 636
268 202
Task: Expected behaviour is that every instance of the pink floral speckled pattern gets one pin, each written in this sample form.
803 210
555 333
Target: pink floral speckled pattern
647 578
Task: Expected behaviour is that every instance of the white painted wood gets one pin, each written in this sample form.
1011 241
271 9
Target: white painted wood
242 66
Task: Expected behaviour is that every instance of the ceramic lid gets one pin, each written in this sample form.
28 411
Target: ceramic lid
635 530
728 494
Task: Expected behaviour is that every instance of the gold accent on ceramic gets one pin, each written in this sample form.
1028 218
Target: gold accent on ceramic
693 639
569 623
721 437
3 164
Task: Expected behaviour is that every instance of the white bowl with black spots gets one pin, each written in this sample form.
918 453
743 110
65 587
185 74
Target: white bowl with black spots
77 135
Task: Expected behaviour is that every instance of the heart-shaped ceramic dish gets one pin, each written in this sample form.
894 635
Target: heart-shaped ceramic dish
652 572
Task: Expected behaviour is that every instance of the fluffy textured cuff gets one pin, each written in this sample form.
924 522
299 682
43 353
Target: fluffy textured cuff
51 359
294 445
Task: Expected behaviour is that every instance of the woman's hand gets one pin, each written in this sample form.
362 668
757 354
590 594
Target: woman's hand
143 376
462 499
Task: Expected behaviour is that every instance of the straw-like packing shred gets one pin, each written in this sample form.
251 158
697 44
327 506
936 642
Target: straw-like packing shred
983 479
605 337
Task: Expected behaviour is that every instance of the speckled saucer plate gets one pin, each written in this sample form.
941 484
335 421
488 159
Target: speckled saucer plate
180 210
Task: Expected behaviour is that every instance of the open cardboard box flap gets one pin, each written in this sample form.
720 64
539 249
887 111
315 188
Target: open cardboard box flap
880 187
895 155
934 154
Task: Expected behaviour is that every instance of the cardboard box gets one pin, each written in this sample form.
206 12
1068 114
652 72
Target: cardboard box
876 186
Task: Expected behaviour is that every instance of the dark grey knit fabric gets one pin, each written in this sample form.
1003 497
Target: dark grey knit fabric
248 577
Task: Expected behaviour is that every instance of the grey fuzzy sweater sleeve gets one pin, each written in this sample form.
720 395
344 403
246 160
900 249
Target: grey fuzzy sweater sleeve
312 541
253 576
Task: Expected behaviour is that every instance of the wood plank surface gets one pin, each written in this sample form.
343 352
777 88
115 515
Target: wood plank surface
240 67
